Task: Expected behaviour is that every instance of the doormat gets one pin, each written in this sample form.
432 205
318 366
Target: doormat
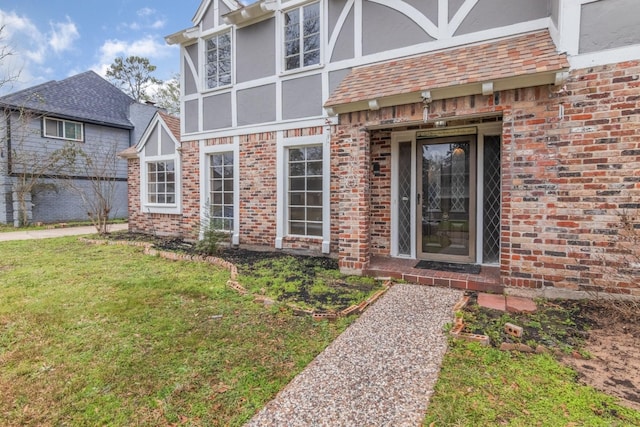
449 266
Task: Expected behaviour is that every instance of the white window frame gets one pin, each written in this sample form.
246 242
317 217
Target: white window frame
205 62
64 129
300 10
163 208
283 145
205 182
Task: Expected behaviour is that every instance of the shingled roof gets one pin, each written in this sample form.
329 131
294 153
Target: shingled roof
85 97
173 123
523 56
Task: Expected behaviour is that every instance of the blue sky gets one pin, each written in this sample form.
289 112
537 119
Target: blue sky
54 39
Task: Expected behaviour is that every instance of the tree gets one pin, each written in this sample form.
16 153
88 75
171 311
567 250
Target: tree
99 169
6 74
28 163
133 76
168 95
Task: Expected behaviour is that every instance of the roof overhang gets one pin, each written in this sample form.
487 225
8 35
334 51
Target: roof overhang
481 88
517 62
183 36
252 13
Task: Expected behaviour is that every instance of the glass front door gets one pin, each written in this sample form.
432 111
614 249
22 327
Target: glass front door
446 198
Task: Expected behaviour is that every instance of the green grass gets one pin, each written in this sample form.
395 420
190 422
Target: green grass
104 335
483 386
7 228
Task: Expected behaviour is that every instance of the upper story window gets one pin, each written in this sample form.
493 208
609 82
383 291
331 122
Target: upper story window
218 60
63 129
302 37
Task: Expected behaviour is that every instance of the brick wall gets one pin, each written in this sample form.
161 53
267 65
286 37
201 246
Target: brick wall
145 222
565 177
258 202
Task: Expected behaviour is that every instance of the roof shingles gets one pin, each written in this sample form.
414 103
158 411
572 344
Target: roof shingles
85 96
521 55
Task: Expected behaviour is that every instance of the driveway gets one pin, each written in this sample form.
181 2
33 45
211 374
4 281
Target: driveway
55 232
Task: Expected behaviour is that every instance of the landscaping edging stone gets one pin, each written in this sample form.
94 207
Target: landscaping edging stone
233 283
458 325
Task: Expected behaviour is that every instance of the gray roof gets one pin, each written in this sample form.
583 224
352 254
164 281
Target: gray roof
84 97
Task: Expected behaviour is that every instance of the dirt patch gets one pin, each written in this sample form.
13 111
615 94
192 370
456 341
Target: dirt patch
592 337
613 346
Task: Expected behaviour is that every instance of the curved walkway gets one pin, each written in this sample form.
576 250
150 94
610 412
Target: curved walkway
27 234
379 372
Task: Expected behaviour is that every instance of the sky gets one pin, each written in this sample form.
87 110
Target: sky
55 39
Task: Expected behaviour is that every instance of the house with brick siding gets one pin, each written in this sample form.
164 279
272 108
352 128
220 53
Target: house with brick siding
496 138
84 110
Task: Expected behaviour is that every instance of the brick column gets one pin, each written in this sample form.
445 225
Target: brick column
351 159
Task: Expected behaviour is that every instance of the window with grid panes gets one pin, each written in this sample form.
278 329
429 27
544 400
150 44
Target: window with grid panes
302 37
304 202
161 182
221 193
218 60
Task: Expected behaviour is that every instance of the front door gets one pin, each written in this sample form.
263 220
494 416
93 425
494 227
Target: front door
446 198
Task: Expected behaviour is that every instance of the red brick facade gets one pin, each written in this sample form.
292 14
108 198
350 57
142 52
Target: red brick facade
566 176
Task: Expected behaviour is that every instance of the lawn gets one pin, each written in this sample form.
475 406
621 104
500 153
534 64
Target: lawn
104 335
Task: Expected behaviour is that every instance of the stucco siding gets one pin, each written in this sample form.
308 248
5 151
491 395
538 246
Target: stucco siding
256 51
609 24
498 13
190 86
257 105
385 29
344 48
216 111
191 116
309 104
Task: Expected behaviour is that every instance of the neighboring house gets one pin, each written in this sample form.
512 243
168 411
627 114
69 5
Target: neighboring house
85 110
500 133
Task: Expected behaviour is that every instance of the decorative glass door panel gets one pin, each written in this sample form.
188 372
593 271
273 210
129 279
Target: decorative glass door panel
446 207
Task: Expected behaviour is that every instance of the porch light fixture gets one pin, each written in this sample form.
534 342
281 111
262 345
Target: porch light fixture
440 123
373 104
426 100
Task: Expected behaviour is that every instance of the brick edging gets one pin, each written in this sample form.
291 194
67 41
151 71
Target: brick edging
233 283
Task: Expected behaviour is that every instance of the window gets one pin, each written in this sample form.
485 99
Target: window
221 195
161 182
63 129
160 169
304 202
218 60
302 37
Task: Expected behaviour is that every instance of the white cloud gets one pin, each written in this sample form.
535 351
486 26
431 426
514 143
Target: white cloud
63 34
147 19
147 47
31 48
146 11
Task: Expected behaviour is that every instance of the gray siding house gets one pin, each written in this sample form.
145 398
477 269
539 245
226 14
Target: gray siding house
84 110
498 136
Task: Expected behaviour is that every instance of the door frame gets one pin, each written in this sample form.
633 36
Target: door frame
471 139
397 137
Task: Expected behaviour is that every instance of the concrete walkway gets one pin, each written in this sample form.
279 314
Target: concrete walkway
380 372
55 232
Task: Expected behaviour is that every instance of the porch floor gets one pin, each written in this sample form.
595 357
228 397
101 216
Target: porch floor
488 280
